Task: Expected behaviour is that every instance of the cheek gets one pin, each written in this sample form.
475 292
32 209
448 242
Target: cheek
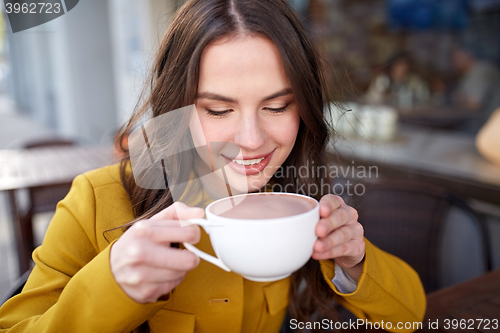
286 133
217 135
205 130
198 137
197 133
216 132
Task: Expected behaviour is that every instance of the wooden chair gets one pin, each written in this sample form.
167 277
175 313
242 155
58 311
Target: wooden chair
40 199
16 288
410 220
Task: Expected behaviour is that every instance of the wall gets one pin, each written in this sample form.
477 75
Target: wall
83 72
62 73
137 28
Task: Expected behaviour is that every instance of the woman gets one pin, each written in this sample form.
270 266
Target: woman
257 83
399 86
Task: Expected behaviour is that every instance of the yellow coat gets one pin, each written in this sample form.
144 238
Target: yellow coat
72 289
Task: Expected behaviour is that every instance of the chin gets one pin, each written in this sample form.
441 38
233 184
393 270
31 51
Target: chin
246 184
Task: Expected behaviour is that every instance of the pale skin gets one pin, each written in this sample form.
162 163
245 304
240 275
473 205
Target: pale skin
244 98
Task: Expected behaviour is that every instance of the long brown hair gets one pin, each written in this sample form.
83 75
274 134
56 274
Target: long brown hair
173 84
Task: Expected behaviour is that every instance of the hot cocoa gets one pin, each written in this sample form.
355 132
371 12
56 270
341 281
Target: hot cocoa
264 206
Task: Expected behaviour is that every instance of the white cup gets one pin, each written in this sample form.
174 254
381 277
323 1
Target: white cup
387 123
259 249
367 123
347 120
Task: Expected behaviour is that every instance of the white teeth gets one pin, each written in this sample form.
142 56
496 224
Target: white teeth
248 162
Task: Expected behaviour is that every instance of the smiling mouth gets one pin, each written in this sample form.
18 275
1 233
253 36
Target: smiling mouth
249 166
249 162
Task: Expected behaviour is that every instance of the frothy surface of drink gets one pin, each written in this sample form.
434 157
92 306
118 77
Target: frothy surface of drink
265 206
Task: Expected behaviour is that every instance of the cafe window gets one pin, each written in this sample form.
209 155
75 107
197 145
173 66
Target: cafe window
436 62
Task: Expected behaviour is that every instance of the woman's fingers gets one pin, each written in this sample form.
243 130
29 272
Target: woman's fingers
142 261
328 203
349 254
179 211
336 218
146 270
140 254
339 236
165 231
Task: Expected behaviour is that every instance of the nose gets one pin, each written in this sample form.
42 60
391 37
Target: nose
250 134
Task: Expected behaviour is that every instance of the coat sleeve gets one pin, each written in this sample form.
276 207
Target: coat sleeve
389 290
71 287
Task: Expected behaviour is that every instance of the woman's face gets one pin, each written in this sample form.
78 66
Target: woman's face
400 70
244 99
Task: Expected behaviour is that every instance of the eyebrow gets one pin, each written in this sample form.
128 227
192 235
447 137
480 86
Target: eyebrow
217 97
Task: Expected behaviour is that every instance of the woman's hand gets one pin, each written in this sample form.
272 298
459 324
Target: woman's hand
340 235
142 261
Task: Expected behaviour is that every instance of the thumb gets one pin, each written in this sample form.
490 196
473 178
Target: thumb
179 211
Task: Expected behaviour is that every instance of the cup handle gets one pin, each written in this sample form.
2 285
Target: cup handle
211 259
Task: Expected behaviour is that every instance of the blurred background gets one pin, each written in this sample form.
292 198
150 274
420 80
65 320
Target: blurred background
419 82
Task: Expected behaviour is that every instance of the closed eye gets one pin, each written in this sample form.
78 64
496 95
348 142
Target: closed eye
223 113
278 111
218 114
